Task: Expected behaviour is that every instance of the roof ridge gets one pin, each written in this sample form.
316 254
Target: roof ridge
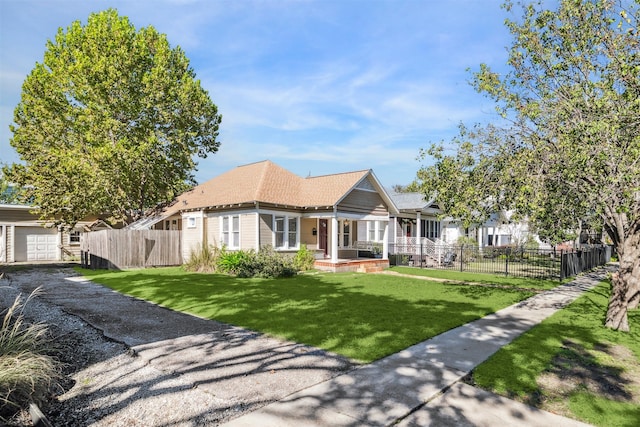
261 181
338 173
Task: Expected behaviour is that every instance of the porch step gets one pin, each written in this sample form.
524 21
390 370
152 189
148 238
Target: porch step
370 269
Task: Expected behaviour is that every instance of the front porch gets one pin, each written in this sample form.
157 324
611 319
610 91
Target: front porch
360 265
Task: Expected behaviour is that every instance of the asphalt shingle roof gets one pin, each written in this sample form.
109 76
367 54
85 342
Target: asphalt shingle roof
267 182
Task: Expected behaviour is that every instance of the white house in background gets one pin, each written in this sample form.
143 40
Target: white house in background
417 222
498 230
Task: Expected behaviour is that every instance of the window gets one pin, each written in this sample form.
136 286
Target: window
285 230
381 226
345 231
293 232
191 222
279 231
231 231
74 238
375 231
431 229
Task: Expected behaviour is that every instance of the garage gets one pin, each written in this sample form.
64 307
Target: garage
37 244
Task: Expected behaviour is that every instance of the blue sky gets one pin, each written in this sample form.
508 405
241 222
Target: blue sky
318 87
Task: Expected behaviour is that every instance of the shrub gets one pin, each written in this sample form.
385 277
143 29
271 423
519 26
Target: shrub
469 249
265 263
271 264
204 259
26 373
304 259
239 263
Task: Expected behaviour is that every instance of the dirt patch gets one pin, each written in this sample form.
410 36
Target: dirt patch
609 371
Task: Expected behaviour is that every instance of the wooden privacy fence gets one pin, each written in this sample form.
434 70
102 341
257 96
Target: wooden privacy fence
121 249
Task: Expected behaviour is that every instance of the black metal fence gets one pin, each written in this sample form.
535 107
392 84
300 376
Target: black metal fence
511 261
574 263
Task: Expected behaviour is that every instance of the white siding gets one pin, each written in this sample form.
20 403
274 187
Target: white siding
191 236
213 231
248 231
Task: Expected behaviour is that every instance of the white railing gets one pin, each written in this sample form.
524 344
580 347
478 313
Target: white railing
434 249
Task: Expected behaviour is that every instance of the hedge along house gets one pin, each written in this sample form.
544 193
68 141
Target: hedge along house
264 204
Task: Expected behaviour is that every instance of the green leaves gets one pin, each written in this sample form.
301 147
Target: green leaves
571 146
110 121
569 155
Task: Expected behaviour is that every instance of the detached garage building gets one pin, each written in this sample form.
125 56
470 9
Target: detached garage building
25 238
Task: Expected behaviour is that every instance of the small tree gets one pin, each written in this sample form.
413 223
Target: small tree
110 122
570 150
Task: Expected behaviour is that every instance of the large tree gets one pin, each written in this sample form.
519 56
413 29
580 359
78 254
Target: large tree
567 149
110 122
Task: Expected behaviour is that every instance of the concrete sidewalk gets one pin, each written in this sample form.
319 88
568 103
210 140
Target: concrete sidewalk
420 385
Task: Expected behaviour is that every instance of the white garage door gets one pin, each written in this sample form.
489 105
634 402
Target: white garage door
42 247
36 244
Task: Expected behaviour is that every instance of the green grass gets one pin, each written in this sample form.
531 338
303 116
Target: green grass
493 279
574 345
361 316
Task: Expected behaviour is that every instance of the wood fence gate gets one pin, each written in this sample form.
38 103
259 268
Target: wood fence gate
122 249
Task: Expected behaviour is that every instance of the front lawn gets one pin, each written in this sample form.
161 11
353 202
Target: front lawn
570 364
361 316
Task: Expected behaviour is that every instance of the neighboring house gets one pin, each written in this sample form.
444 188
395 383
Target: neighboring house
416 218
264 204
24 237
417 229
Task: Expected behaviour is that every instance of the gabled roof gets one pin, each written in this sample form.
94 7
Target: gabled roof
266 182
411 202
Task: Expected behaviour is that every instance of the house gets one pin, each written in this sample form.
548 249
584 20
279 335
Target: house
259 204
24 237
417 218
419 231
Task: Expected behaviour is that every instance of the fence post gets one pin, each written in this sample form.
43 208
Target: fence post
461 252
506 261
420 253
562 265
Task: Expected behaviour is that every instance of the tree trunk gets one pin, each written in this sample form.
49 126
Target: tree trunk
617 310
625 285
633 279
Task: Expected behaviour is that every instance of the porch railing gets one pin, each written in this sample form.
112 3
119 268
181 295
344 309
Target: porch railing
422 247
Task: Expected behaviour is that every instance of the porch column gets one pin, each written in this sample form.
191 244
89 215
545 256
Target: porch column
385 241
334 237
418 227
480 242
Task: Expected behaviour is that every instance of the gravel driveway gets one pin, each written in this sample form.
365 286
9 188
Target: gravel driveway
131 363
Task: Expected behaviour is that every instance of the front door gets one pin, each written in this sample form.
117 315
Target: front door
323 236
